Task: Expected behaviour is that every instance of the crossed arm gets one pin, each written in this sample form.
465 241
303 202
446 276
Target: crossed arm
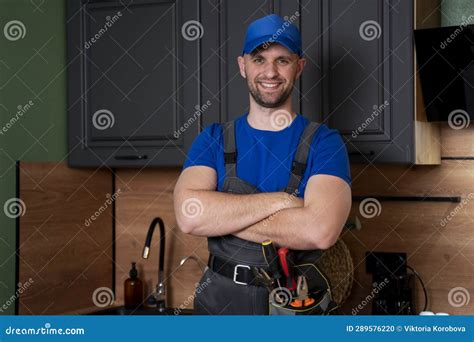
314 223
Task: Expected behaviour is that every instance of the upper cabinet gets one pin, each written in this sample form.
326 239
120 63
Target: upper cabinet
133 82
369 81
143 83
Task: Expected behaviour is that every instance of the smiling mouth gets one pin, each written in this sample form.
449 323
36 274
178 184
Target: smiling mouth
269 85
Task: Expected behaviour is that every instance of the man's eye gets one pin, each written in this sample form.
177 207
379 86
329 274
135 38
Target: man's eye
283 61
257 60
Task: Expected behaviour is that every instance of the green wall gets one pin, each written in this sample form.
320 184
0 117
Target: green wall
31 69
455 12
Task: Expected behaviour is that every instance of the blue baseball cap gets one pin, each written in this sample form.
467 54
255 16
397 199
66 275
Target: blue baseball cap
272 29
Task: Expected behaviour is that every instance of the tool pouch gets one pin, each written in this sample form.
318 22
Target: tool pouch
319 289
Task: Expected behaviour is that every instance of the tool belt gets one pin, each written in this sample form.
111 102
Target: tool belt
283 301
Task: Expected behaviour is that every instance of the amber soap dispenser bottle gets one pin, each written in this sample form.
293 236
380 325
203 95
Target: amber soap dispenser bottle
133 289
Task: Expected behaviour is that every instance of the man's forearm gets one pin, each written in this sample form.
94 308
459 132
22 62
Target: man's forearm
212 213
317 225
296 228
292 228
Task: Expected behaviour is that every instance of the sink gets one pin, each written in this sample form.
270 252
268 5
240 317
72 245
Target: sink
121 311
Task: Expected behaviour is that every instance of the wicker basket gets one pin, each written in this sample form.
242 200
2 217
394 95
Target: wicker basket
336 263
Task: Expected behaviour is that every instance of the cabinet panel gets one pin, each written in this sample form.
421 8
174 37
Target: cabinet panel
356 80
368 64
133 82
132 86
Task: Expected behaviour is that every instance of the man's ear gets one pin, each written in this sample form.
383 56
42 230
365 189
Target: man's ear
241 62
300 66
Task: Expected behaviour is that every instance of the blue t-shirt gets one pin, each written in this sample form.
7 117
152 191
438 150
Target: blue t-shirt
264 158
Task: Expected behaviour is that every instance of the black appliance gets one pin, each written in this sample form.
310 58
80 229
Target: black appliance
445 57
393 289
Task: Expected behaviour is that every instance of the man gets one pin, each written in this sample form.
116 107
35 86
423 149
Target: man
268 175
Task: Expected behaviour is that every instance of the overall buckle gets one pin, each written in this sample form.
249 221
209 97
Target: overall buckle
236 273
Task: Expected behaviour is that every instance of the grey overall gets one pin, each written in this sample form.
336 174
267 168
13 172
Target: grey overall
217 294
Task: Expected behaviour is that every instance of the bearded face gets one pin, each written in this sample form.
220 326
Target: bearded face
271 74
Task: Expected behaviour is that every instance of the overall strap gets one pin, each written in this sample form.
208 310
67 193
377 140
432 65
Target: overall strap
230 153
299 162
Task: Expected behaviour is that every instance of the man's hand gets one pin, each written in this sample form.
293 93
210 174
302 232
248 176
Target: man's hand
201 210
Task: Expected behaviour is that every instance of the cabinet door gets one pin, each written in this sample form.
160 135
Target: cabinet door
368 77
133 81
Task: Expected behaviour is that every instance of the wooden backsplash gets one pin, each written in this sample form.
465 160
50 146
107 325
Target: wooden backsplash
61 259
442 254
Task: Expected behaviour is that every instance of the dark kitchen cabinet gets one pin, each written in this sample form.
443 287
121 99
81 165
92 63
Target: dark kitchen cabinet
370 88
368 82
133 82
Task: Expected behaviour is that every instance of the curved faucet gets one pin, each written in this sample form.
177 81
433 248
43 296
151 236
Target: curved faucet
159 296
201 265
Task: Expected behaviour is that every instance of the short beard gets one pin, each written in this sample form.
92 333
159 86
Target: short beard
257 96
